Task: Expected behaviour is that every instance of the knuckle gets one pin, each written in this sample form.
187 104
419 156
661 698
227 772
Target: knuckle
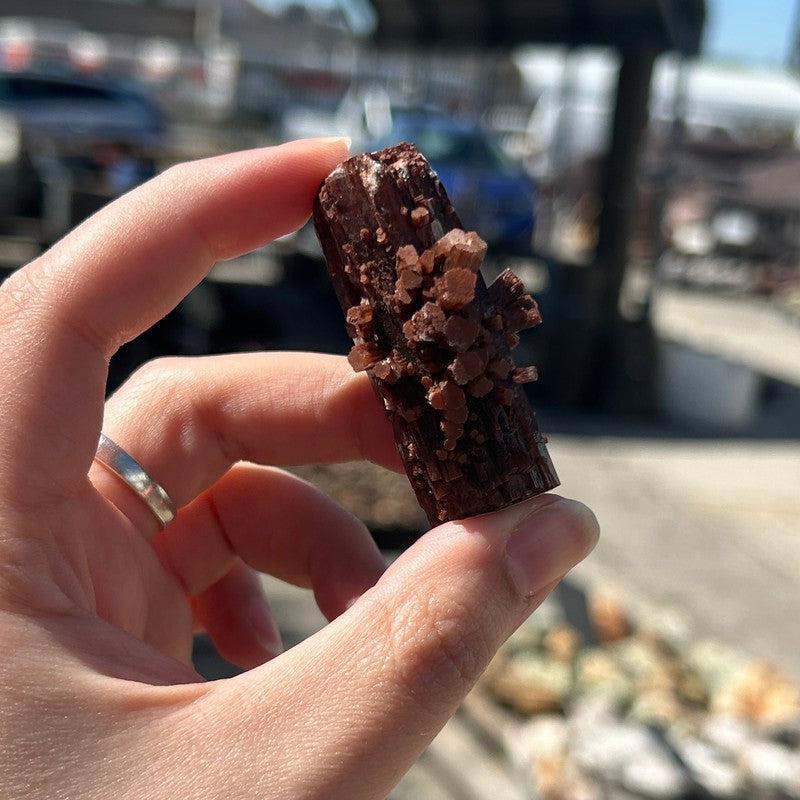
188 414
157 384
437 642
29 295
174 181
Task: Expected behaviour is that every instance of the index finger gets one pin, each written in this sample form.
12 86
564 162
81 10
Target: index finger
64 315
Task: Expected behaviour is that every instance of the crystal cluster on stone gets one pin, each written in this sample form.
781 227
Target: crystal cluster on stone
439 284
434 339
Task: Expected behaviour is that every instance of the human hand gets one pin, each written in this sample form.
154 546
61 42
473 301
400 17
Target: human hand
98 698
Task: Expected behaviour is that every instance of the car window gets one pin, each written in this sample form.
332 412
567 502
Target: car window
446 145
488 153
20 88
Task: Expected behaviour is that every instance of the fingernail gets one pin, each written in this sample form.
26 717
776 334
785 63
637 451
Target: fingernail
264 627
504 523
345 140
547 542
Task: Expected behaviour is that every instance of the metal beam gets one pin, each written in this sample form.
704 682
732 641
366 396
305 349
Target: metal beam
608 382
491 24
618 190
100 16
428 25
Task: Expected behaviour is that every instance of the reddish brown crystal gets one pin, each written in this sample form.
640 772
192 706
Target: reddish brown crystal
480 387
410 414
426 261
364 355
451 429
500 368
460 332
525 375
426 324
387 370
360 317
467 254
446 396
519 318
406 258
420 216
517 309
455 289
470 365
407 281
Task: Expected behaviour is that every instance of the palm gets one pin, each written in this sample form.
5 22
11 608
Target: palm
125 586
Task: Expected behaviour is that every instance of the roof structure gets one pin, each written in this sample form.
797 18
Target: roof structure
100 16
656 24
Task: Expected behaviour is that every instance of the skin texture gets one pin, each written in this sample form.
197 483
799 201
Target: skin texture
98 697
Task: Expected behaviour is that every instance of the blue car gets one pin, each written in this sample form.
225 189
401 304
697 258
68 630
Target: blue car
491 193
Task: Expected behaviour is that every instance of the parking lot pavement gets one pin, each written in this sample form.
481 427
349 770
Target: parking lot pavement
711 528
745 330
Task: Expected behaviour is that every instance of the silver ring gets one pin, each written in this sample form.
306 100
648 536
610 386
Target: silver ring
125 466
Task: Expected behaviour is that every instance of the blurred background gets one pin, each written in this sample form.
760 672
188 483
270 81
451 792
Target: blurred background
637 163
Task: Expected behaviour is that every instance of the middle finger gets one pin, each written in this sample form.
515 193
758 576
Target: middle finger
186 420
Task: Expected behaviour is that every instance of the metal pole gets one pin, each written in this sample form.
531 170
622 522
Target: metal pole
607 384
618 191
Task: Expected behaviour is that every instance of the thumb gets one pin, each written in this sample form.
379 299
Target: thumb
358 702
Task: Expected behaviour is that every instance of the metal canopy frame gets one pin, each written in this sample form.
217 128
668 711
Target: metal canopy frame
99 16
622 24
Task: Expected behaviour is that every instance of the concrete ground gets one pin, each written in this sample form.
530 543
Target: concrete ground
747 330
712 528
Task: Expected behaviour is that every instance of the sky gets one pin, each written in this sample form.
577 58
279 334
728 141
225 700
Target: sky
750 31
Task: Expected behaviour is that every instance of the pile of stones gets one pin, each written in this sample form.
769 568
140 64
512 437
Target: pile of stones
624 710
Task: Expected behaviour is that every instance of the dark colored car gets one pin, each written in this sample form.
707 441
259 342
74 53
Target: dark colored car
735 223
491 193
67 145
